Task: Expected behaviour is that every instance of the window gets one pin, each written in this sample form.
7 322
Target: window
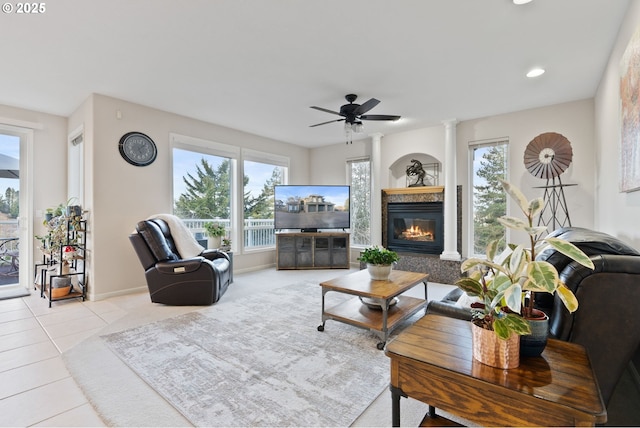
258 203
359 176
489 165
203 183
231 185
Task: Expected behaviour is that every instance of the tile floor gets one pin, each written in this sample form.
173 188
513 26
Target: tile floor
35 387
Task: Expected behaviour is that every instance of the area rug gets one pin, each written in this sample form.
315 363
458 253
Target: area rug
259 361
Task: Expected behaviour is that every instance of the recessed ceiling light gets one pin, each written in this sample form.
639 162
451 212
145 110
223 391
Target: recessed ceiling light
521 1
535 72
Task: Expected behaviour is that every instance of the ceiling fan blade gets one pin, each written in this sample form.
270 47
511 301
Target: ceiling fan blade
366 106
326 110
324 123
379 117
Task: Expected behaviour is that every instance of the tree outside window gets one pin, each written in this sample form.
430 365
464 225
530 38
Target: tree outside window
203 185
359 173
258 202
489 199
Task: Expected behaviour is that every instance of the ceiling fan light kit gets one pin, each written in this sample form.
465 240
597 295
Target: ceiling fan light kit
353 115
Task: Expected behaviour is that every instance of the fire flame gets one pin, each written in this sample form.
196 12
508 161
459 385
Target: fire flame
416 232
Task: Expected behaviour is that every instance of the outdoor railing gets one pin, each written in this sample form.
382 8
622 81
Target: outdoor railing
256 232
9 229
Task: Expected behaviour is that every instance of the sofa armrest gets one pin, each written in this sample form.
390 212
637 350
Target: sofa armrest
178 267
447 306
213 254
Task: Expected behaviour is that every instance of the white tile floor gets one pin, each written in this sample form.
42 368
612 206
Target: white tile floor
35 387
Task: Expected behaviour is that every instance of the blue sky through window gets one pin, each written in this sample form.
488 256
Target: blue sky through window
9 146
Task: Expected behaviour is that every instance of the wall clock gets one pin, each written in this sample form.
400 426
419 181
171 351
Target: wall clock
137 149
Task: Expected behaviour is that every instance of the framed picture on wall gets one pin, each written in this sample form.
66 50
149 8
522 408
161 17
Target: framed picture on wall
630 115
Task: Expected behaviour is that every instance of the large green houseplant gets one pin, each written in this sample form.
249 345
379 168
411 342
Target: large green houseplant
502 281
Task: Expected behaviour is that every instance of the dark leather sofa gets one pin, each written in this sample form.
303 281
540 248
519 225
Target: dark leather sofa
607 322
173 280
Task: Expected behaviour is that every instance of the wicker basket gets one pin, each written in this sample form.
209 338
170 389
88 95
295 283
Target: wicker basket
60 292
60 286
495 352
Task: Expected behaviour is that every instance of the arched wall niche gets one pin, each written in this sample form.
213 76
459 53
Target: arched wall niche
398 169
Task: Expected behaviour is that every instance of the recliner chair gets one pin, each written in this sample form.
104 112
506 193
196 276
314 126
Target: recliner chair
606 323
173 280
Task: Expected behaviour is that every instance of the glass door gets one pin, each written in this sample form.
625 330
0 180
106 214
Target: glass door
9 208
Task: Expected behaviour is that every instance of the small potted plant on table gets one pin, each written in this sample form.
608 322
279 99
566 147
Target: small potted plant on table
379 262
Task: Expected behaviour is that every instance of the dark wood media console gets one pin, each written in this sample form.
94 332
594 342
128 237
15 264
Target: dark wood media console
312 250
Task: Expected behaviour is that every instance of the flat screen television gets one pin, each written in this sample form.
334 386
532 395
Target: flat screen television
309 207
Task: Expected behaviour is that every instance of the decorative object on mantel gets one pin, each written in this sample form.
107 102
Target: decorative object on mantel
505 285
417 172
379 262
547 156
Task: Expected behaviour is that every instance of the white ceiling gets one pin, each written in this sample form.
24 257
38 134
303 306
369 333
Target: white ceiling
258 65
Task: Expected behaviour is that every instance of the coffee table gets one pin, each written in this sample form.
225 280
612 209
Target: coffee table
380 321
431 361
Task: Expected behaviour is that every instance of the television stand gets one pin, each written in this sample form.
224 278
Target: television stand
312 250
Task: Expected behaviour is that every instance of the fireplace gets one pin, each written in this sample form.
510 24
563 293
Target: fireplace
415 227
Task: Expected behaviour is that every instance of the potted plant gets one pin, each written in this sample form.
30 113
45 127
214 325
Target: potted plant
58 226
226 244
503 282
379 261
215 232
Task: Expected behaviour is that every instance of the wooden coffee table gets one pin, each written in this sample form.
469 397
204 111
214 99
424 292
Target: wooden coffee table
380 321
431 361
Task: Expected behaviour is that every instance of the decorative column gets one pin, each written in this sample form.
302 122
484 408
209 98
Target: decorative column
376 189
450 190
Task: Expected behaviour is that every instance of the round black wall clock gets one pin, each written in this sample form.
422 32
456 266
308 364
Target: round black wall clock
137 149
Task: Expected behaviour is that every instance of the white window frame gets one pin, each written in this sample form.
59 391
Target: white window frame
473 145
265 158
349 164
213 148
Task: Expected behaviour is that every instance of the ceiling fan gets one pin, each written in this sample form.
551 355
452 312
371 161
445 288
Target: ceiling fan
354 114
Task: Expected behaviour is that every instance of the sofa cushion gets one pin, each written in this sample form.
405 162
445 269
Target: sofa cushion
156 241
591 242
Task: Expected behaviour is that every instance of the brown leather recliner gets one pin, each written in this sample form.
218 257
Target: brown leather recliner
173 280
606 323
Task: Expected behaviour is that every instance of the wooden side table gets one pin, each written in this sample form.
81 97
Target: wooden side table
431 361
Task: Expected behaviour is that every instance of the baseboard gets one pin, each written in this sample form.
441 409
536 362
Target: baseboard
254 268
102 296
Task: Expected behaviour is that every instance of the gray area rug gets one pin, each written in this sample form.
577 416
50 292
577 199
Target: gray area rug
259 361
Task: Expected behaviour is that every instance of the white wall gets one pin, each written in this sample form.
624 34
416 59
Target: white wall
616 213
573 120
119 195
